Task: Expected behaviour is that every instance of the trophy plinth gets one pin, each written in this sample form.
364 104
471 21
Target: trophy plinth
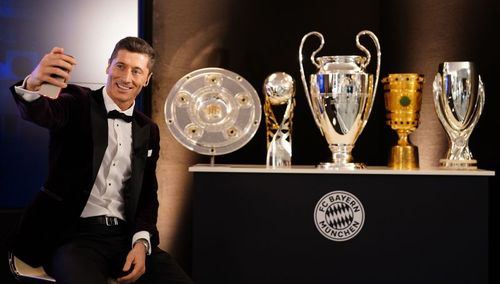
342 159
340 95
279 90
403 157
459 100
403 99
470 164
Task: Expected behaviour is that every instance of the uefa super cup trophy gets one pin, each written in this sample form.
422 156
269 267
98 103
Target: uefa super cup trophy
459 101
340 97
279 90
403 99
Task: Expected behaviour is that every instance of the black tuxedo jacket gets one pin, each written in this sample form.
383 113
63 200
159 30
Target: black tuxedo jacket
78 128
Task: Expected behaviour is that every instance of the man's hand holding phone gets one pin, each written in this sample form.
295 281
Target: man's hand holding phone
52 73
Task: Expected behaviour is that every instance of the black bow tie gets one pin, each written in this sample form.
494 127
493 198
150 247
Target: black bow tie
119 115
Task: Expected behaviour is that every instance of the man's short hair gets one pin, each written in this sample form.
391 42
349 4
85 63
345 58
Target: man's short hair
137 45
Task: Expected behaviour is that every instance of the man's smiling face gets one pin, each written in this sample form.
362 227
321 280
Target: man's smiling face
127 73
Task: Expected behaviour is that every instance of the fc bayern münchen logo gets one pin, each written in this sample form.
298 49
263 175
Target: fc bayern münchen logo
339 216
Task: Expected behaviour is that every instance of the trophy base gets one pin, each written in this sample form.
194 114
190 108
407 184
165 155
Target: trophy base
341 166
404 157
458 164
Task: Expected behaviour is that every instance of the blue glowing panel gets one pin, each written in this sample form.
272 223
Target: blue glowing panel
88 30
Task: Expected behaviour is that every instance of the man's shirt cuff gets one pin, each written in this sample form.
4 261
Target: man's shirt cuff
25 94
142 235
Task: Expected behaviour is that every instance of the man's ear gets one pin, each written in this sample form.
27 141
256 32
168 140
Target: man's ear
147 81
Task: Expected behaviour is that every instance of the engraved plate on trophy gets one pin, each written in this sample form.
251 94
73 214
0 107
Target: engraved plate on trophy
403 99
213 111
459 100
340 96
279 91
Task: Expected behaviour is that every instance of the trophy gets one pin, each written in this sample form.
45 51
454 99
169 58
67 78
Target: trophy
279 90
212 111
459 101
341 98
403 98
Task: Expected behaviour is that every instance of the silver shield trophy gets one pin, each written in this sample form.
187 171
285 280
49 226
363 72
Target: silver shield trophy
459 101
213 111
340 97
279 91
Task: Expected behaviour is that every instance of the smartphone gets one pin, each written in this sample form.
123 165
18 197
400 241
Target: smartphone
49 90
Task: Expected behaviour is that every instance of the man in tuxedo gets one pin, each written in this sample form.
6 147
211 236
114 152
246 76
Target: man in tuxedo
95 215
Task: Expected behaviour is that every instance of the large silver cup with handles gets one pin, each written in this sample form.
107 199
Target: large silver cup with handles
459 101
340 96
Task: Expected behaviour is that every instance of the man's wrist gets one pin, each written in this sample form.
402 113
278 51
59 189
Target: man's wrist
145 236
24 93
144 242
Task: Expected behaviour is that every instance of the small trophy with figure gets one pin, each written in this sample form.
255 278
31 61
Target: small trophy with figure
279 90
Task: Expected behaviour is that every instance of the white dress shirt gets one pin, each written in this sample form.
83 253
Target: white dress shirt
106 197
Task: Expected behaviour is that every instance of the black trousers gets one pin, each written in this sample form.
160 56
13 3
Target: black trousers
93 253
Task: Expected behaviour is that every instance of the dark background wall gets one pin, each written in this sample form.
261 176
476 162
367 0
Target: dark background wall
256 38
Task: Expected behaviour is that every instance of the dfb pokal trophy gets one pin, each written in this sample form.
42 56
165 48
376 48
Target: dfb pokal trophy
403 99
279 91
459 101
340 96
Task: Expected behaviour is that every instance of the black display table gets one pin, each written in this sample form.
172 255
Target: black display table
306 225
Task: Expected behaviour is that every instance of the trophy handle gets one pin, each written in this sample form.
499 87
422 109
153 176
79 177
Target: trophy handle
368 59
438 89
302 74
479 108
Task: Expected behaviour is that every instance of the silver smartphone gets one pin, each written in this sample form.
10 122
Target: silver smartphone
49 90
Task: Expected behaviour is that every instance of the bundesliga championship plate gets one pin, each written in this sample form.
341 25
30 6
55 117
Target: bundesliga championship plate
213 111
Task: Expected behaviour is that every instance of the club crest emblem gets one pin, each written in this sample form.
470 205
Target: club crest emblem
339 216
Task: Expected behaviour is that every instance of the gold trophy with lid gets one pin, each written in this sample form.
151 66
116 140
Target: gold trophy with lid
403 99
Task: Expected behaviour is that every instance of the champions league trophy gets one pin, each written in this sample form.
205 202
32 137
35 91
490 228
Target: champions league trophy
279 89
341 98
403 98
459 101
